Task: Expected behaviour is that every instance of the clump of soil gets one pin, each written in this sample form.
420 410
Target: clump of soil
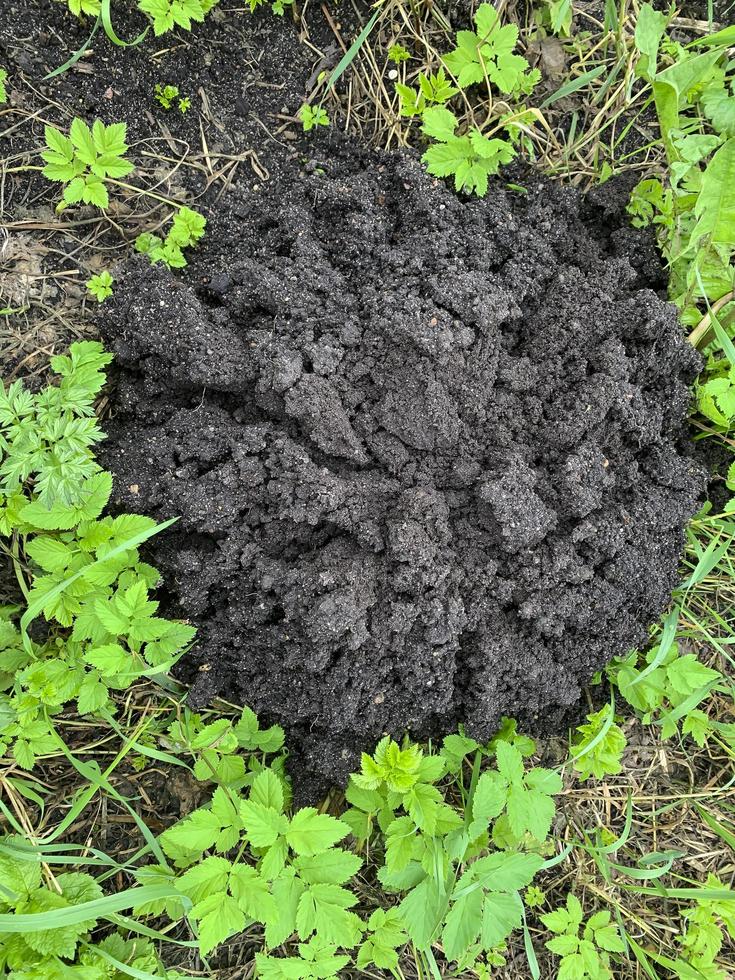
426 452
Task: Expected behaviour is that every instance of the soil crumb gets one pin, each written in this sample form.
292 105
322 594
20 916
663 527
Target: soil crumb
427 453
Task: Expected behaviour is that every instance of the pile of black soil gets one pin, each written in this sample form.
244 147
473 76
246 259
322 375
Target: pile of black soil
426 452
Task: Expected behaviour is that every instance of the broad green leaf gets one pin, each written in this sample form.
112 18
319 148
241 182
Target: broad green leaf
267 790
715 207
263 824
81 137
324 909
330 867
311 832
219 918
204 879
649 29
286 893
510 761
252 894
490 797
422 911
439 123
462 924
501 914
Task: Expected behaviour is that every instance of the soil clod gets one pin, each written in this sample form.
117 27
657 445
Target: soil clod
427 453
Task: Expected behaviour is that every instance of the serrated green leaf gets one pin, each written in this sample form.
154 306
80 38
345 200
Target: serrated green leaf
312 833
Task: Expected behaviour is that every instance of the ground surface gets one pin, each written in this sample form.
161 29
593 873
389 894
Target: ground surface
426 452
247 76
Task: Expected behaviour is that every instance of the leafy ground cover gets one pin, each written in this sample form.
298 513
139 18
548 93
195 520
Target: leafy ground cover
140 833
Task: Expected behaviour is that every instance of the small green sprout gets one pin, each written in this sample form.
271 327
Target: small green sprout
3 90
312 116
100 285
278 7
398 54
166 95
599 745
584 956
470 158
84 160
534 897
186 230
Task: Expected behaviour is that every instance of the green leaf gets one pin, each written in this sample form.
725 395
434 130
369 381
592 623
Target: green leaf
323 909
504 871
59 143
111 659
686 674
329 867
501 914
81 138
192 835
219 918
287 891
422 802
510 762
649 29
263 824
539 814
462 924
715 207
311 832
422 910
490 797
253 894
93 695
207 878
21 874
267 790
439 123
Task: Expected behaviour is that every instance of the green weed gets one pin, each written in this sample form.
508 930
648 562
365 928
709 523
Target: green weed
84 160
167 95
398 54
84 8
585 956
312 116
165 15
100 286
483 57
187 229
81 571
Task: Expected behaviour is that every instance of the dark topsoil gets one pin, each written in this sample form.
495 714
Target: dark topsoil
427 452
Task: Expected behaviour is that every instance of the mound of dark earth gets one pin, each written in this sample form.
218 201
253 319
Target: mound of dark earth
427 452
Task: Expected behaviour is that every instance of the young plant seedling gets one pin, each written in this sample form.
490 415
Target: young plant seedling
84 160
482 57
583 957
398 54
313 116
100 285
186 230
599 745
470 158
278 7
3 90
166 95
